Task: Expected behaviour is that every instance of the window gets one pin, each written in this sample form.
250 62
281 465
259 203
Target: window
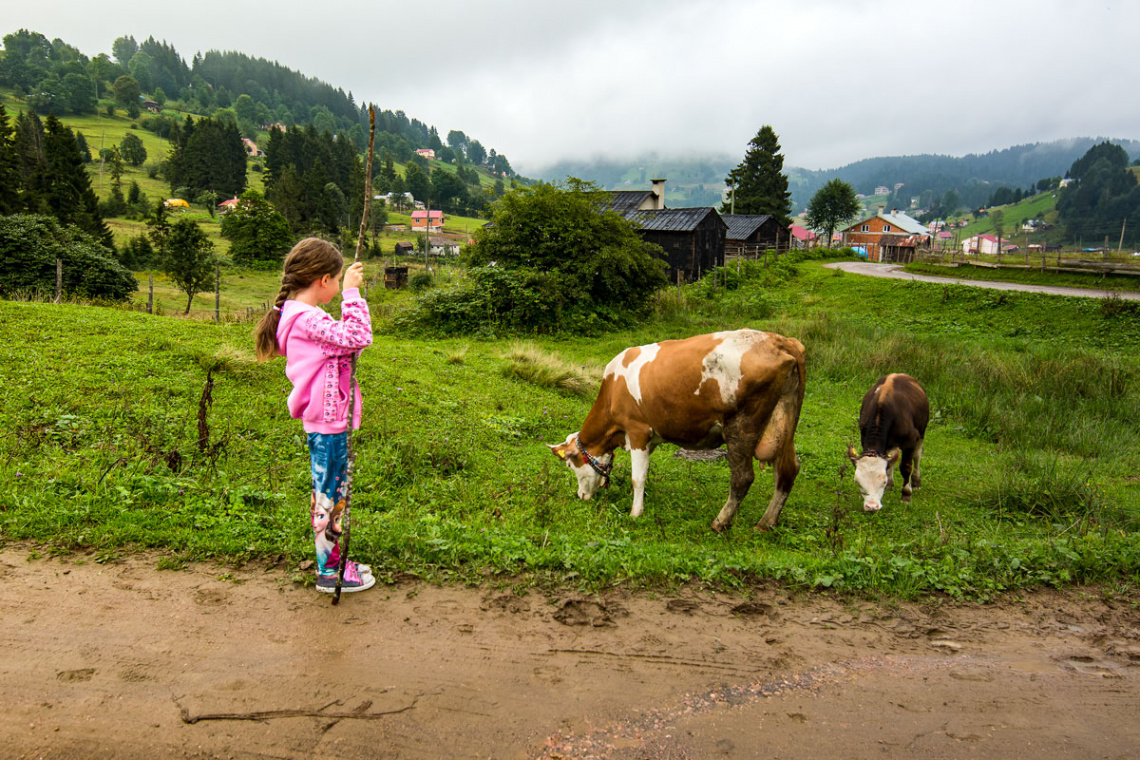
866 228
886 228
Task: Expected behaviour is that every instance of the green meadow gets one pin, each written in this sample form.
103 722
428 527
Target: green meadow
1031 276
1031 470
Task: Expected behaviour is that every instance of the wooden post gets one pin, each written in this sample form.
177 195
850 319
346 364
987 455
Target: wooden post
350 455
217 292
1120 248
150 297
58 280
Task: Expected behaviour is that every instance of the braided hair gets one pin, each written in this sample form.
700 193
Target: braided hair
310 260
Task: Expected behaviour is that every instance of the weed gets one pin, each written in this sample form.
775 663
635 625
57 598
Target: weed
533 365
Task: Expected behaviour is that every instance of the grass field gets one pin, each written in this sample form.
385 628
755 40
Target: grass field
1013 216
1031 473
1031 276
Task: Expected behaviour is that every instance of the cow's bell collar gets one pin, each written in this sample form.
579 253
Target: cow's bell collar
602 469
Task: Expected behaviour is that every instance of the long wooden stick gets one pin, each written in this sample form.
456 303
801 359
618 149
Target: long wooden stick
351 457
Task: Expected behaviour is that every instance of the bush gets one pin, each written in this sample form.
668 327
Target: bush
421 281
258 234
567 250
138 254
30 245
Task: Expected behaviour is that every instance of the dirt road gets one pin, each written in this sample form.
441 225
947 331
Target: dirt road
124 661
896 272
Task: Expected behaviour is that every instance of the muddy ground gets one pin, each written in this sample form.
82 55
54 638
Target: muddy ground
125 661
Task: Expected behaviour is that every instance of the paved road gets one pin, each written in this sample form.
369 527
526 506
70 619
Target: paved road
896 272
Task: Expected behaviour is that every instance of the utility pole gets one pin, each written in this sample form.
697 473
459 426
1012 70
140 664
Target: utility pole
1120 248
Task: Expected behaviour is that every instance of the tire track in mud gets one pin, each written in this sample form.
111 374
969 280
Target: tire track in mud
648 735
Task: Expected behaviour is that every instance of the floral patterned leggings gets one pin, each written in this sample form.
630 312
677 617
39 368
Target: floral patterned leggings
328 455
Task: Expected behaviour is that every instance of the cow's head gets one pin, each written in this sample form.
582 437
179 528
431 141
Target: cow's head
589 479
872 472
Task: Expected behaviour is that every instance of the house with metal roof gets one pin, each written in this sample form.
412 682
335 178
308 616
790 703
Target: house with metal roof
692 238
750 234
624 201
893 237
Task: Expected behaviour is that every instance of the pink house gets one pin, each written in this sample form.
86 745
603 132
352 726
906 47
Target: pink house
427 153
431 221
801 236
251 147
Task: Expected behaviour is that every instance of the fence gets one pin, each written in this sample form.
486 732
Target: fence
443 273
1058 260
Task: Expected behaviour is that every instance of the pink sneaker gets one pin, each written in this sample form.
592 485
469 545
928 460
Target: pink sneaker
354 580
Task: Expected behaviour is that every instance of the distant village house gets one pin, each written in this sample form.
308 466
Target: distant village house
438 246
427 153
427 221
986 245
893 237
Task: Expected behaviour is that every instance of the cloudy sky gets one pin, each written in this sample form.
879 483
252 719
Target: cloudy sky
839 80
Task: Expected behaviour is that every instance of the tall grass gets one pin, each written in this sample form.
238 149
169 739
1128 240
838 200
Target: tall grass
532 364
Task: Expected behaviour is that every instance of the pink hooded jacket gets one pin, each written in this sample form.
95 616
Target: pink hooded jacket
318 352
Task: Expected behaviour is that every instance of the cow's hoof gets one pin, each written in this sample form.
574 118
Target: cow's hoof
763 527
906 497
719 527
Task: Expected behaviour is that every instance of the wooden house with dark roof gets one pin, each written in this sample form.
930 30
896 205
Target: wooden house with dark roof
692 238
751 234
624 201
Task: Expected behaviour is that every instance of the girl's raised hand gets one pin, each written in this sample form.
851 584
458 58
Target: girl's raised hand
354 277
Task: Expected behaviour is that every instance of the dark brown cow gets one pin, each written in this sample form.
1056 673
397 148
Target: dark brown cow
892 420
743 389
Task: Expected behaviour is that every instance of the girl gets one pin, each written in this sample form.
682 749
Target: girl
318 351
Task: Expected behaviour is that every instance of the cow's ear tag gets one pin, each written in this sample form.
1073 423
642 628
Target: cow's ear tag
558 451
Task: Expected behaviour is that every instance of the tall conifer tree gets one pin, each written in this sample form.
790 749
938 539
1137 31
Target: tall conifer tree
9 167
759 182
69 194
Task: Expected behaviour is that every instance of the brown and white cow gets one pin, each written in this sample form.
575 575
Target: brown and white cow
743 389
892 421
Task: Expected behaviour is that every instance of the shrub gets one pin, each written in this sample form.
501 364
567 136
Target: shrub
258 234
559 245
30 246
421 281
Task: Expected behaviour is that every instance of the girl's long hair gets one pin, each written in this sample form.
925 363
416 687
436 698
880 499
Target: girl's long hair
310 260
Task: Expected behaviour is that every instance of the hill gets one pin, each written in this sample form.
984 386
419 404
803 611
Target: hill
251 92
973 177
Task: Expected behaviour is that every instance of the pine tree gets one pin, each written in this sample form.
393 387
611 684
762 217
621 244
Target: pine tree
68 192
28 146
759 183
9 167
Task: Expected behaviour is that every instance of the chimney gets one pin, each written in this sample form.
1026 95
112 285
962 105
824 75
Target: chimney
658 186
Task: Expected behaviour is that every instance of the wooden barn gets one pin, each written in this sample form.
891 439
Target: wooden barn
693 238
752 234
